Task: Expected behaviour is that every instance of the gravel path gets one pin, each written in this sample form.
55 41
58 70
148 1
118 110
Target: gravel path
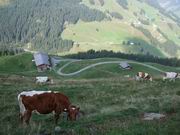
100 63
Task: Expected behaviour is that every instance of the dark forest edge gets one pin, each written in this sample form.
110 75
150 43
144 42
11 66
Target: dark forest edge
92 54
7 51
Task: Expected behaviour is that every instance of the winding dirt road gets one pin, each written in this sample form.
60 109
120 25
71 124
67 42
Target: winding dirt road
100 63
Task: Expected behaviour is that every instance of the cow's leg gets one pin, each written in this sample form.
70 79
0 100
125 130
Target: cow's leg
56 116
21 118
137 78
27 116
171 79
57 111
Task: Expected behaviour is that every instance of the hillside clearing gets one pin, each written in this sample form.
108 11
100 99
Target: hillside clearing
107 35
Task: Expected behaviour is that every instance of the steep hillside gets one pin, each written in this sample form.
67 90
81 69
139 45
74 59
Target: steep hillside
133 27
37 25
71 26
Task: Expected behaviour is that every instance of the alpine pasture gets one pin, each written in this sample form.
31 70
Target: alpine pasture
112 103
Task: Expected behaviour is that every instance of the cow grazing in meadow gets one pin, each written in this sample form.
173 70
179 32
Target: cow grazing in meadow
171 76
45 102
43 80
143 76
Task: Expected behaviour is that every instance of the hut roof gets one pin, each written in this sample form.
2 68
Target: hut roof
41 58
124 64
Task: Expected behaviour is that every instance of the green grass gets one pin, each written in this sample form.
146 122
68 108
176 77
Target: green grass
108 32
17 63
166 68
108 70
109 36
75 66
113 105
22 65
113 70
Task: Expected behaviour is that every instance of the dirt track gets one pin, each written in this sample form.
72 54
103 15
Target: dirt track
100 63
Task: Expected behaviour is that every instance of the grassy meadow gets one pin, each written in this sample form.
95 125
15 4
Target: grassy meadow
112 104
108 35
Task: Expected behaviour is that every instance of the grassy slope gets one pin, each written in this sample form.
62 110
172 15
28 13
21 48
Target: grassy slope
115 31
112 104
152 13
109 36
22 65
18 63
112 70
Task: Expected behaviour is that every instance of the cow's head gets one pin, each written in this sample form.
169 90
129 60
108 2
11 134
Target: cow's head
73 112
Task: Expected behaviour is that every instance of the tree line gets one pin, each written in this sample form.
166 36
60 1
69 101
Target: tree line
92 54
6 51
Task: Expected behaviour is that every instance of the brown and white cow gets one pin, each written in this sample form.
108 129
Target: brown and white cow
44 102
143 76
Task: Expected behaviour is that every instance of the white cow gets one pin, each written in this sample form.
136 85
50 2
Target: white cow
43 79
170 76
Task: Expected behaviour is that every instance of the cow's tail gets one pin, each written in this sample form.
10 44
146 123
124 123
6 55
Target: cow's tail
176 75
21 106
